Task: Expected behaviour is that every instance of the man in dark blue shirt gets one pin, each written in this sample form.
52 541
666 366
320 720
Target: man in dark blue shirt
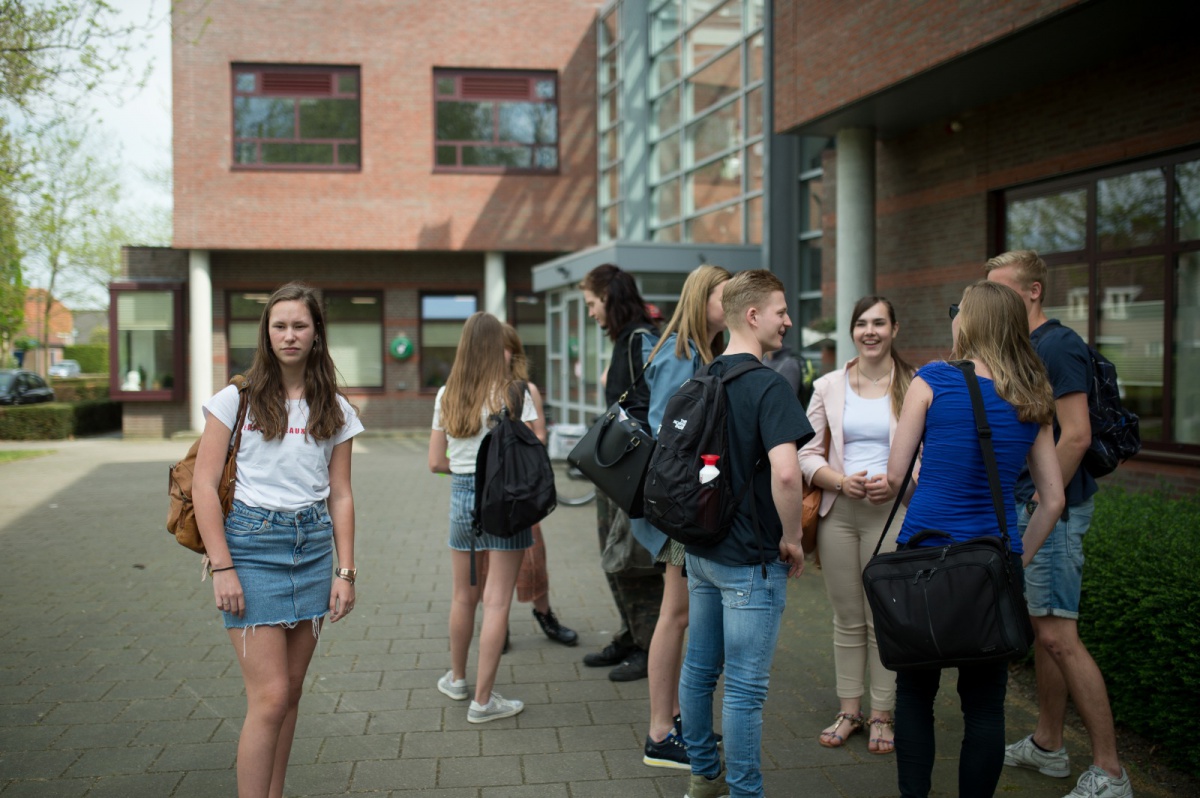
1054 577
737 589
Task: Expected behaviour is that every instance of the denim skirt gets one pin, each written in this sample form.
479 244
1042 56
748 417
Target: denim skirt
462 521
284 562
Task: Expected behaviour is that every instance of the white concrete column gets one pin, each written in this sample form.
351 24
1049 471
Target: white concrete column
200 337
855 228
495 287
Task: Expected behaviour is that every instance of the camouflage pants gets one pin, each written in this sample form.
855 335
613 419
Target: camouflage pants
637 595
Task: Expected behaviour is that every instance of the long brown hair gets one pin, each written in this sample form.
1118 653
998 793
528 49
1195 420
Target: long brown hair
993 327
623 303
902 371
689 322
479 378
518 364
267 397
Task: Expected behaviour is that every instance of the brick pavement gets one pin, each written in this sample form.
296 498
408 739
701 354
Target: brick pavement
116 678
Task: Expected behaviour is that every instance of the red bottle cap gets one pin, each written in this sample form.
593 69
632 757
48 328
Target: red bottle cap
710 459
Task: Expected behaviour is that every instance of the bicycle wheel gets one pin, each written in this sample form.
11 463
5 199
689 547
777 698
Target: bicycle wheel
572 487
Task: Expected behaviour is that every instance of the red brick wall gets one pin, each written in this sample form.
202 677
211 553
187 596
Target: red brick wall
934 188
395 202
829 53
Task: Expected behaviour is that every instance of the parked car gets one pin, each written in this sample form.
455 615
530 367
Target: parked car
66 368
23 388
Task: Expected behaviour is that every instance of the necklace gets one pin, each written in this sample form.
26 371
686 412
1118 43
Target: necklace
874 382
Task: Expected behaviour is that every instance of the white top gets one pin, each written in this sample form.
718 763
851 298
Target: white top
865 433
288 474
463 451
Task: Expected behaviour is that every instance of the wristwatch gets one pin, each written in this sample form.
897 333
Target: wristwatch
349 574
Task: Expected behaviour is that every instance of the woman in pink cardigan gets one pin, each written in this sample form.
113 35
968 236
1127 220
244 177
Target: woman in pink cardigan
859 405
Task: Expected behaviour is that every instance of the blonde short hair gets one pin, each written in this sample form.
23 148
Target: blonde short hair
1030 266
746 290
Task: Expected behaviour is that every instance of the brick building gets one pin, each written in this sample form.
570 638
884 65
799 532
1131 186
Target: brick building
61 328
414 164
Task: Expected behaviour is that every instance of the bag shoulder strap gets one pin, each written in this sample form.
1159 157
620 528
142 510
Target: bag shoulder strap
641 374
242 385
984 432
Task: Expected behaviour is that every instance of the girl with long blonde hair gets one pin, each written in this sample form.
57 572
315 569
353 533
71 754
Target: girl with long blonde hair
953 495
477 388
694 336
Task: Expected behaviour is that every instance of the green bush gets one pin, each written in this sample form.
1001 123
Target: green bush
80 389
95 416
1138 614
93 358
51 421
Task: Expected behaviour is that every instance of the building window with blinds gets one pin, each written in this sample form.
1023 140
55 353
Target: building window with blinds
493 121
442 318
147 354
354 327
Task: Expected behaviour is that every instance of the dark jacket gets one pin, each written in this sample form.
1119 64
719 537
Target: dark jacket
624 368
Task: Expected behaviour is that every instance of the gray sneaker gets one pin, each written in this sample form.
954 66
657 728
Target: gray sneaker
456 690
1024 754
1096 783
704 787
497 707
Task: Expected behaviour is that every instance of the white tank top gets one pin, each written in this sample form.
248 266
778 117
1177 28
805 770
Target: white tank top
865 431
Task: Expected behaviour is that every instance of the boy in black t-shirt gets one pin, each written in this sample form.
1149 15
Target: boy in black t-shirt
734 610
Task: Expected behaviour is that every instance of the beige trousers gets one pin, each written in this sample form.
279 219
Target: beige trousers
845 541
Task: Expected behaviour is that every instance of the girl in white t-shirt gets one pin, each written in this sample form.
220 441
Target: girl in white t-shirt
272 559
477 386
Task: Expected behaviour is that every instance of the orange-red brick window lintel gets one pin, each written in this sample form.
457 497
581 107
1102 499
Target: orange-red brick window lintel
495 121
296 118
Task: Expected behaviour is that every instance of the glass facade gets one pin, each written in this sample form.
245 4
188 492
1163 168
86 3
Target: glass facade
609 92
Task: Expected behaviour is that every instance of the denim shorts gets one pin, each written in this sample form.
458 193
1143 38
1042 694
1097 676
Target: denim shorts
1053 581
284 561
462 521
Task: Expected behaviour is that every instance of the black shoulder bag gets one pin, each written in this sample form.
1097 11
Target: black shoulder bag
615 452
952 605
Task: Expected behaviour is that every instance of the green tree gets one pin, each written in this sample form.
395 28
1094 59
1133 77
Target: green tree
69 230
12 285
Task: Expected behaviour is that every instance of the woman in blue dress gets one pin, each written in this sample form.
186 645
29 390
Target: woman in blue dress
953 495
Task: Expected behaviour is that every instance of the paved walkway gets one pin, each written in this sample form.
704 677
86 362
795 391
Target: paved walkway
116 678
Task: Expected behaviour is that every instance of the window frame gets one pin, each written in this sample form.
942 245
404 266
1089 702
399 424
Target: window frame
531 76
178 390
378 294
1094 257
421 296
260 69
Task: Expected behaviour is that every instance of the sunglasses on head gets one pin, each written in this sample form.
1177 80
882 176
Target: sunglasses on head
953 311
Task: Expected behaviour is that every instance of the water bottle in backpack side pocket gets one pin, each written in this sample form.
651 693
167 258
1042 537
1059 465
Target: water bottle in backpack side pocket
710 501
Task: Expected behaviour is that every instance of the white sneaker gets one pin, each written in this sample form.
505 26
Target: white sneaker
1024 754
497 707
1096 783
454 689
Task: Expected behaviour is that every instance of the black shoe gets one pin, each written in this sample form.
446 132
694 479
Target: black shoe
679 730
670 753
610 655
632 669
555 630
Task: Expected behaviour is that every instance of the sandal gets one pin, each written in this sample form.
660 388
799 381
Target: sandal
877 743
830 737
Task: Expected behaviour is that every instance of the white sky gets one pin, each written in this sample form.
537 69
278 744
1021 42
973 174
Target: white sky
140 124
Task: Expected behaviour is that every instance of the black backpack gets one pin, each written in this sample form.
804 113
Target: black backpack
1115 435
514 482
695 422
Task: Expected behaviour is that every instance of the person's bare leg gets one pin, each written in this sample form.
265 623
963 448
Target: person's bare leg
301 643
497 598
462 611
666 654
263 657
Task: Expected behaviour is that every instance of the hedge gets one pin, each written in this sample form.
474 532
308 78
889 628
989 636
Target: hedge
1138 616
58 420
92 358
79 389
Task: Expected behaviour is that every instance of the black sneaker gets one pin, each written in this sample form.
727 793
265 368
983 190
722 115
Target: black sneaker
632 669
670 753
610 655
679 729
555 630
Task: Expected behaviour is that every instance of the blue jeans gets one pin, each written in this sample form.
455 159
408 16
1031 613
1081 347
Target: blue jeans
1054 580
733 621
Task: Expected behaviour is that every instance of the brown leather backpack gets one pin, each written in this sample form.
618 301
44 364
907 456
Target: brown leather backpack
181 513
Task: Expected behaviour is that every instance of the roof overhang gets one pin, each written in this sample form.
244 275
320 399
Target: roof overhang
642 258
1066 43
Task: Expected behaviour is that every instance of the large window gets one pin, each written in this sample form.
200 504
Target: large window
291 117
609 117
706 120
146 354
354 325
486 121
442 317
1123 249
